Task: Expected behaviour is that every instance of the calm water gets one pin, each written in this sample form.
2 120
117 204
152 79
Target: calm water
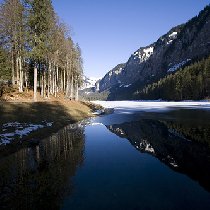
125 160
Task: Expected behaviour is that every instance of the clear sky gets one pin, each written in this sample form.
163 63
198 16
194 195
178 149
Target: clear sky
109 31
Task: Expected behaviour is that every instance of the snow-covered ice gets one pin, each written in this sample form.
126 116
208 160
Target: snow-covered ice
129 106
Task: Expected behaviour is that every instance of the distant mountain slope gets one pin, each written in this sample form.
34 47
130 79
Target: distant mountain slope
112 78
89 82
177 48
190 83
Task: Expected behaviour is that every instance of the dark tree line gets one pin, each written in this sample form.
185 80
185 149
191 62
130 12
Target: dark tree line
189 83
36 50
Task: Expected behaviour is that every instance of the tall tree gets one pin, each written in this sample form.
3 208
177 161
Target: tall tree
40 19
11 30
41 50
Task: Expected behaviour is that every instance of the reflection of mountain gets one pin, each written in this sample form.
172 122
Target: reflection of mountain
170 146
39 177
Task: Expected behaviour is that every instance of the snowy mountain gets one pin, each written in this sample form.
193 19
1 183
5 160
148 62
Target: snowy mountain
112 78
179 47
89 82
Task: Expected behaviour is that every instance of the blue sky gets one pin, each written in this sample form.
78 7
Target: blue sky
109 31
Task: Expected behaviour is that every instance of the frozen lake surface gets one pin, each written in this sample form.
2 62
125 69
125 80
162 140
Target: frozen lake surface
152 105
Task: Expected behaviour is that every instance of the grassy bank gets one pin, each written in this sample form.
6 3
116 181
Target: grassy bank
55 113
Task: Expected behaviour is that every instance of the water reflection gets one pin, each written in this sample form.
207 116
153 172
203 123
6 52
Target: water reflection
114 175
39 177
183 147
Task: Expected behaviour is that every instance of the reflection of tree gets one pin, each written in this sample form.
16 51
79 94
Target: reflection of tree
39 177
170 146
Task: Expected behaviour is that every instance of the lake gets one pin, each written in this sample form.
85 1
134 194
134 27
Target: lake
145 157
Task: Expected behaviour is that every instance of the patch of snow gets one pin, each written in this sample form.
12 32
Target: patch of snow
148 51
19 130
176 133
120 131
149 148
143 54
171 161
146 146
170 41
27 130
97 112
127 85
93 124
173 34
118 71
174 164
178 66
49 124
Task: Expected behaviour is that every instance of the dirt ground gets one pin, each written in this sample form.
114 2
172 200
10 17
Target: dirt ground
20 108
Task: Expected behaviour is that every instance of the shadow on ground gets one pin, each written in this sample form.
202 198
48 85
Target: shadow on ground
60 114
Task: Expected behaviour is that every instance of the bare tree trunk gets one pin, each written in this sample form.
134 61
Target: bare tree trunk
61 81
35 83
17 71
51 79
26 81
67 88
21 75
64 81
57 86
13 69
53 83
72 87
42 85
76 91
48 83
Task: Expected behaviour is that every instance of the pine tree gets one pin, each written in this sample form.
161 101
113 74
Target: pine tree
207 77
11 30
5 71
40 22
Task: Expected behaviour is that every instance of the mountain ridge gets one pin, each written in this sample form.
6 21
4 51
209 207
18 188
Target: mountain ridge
173 50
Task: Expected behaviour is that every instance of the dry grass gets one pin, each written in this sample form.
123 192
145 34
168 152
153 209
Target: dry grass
57 110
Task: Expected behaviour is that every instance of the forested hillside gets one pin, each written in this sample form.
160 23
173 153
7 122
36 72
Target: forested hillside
37 51
189 83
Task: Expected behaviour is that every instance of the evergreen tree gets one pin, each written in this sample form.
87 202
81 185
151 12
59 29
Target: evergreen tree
34 37
5 71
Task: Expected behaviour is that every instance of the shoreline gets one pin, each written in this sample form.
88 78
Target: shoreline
24 123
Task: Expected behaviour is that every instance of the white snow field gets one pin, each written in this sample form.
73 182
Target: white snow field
152 105
15 129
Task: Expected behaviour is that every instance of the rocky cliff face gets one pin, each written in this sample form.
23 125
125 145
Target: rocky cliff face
181 45
112 78
147 62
